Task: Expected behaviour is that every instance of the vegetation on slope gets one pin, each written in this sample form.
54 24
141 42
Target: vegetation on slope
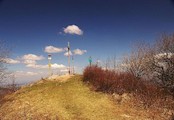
143 93
68 100
58 100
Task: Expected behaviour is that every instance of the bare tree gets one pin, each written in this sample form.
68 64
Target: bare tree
135 63
155 62
111 63
161 64
4 53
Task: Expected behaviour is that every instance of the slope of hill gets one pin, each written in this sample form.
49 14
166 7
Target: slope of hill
66 98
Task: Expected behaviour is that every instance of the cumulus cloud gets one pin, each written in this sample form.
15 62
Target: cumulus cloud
79 52
12 61
53 66
66 49
66 53
32 65
32 57
59 66
52 49
35 66
73 29
64 70
29 62
25 73
31 73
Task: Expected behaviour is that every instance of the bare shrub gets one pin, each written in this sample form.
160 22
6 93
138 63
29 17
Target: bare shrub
4 54
110 81
149 94
135 63
98 77
153 62
111 63
161 64
148 73
145 92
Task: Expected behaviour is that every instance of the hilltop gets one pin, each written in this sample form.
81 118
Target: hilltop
68 98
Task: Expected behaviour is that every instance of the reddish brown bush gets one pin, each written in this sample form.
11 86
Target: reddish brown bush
110 81
123 82
148 94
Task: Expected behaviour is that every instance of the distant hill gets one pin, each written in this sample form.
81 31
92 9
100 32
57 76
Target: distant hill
68 98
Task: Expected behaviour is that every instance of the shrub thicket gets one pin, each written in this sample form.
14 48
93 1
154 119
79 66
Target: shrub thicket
109 81
153 61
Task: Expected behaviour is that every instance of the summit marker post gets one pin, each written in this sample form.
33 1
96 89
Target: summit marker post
90 60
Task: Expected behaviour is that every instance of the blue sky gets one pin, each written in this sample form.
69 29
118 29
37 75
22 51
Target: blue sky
110 28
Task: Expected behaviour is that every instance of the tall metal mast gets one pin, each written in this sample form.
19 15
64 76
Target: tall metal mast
49 64
69 58
72 64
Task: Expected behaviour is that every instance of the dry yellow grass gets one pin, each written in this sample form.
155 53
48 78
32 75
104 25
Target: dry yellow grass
68 100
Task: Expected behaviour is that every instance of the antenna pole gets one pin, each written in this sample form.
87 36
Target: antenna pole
49 64
69 58
73 64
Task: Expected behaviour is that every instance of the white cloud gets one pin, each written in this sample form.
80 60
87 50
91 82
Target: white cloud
53 66
31 73
79 52
12 61
24 73
73 29
35 66
66 49
59 66
40 66
31 65
29 62
52 49
32 57
66 53
64 70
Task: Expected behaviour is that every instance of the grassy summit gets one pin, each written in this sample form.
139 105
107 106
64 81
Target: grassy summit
58 100
65 98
